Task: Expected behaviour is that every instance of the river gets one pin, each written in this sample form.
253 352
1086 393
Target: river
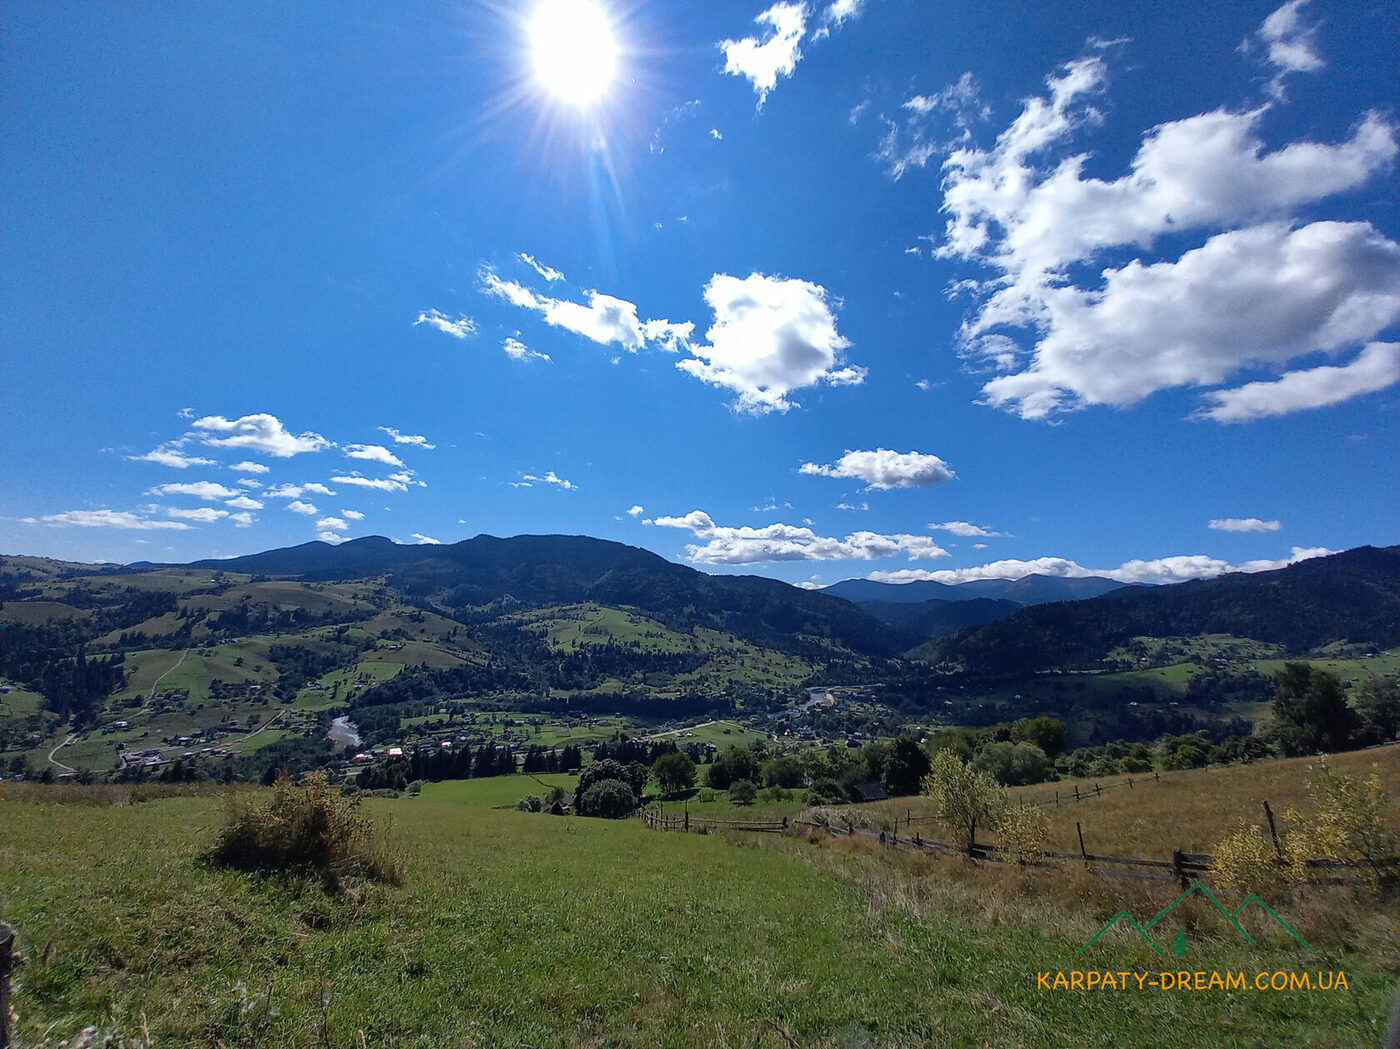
343 733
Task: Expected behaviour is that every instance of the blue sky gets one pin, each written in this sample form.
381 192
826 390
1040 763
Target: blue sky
856 288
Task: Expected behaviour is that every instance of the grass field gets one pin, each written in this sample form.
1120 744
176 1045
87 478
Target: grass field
495 791
363 673
19 702
511 929
715 732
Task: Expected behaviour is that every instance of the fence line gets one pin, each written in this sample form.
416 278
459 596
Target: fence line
686 822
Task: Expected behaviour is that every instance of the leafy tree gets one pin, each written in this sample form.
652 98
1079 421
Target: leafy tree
742 792
1014 764
675 772
1378 706
735 763
964 795
1311 714
601 770
608 799
1045 732
783 772
906 767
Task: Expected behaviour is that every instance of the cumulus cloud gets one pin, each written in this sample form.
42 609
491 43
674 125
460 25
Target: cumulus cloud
1375 368
352 515
207 490
761 62
1244 524
1289 43
1161 570
964 529
243 520
170 455
374 453
332 524
544 271
1262 288
203 514
383 484
327 536
517 350
636 511
407 438
296 491
247 466
668 336
459 327
771 336
725 545
111 519
886 469
424 540
244 503
299 507
259 433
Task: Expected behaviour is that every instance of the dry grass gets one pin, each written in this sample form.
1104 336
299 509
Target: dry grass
112 794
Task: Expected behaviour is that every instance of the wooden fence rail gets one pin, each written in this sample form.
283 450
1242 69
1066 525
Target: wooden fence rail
687 822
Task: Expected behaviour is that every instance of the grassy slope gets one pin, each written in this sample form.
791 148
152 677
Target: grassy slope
513 929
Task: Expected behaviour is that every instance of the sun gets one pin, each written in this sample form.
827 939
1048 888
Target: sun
573 49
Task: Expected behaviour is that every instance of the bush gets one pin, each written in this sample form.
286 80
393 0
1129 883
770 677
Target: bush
305 827
609 799
742 792
530 803
825 791
1349 824
1244 861
1024 830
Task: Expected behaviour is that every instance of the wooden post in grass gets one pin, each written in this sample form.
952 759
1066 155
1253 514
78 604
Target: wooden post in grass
1057 799
1130 782
1177 868
1082 850
1156 777
7 946
687 817
1076 792
1098 793
1273 831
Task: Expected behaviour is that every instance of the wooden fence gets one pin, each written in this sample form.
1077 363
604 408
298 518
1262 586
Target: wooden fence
703 825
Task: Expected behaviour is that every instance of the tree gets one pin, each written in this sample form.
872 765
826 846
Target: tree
1311 714
783 772
608 799
742 792
1378 706
905 768
965 796
735 763
675 772
1014 764
1045 732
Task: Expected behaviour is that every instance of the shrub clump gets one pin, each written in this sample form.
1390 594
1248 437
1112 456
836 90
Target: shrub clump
608 799
1244 861
305 827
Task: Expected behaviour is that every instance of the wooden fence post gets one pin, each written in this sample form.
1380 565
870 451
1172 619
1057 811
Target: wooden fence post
1177 868
687 819
7 944
1076 792
1057 799
1273 831
1130 782
1156 777
1082 850
1097 792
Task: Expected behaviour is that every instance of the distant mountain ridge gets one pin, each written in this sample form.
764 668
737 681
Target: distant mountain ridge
1028 590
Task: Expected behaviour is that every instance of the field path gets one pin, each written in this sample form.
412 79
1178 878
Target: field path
678 731
152 697
268 724
53 761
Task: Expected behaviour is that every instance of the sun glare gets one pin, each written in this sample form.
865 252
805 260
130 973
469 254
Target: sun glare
573 49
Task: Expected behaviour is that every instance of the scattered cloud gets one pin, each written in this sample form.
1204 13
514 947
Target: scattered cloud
546 272
1162 570
332 524
260 433
636 511
247 466
334 538
202 514
352 515
170 455
517 350
111 519
459 327
243 520
1289 43
668 336
931 126
861 507
424 540
299 507
296 491
374 453
1244 524
762 62
208 490
771 336
886 469
783 542
383 484
839 11
1261 290
407 438
244 503
965 530
715 134
186 413
549 478
1375 368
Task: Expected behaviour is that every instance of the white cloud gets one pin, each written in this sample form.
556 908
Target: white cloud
374 453
517 350
933 125
1263 292
762 62
332 524
635 511
170 455
352 515
840 10
328 536
407 438
886 469
208 490
546 272
249 482
296 491
425 540
186 413
668 336
549 478
771 335
111 519
861 507
203 514
244 503
1375 368
715 134
260 433
249 467
383 484
782 542
964 529
299 507
1244 524
243 520
1162 570
405 477
1290 44
459 327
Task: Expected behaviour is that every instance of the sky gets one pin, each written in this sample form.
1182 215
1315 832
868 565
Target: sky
863 288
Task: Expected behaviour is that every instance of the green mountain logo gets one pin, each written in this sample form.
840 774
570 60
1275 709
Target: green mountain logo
1195 888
